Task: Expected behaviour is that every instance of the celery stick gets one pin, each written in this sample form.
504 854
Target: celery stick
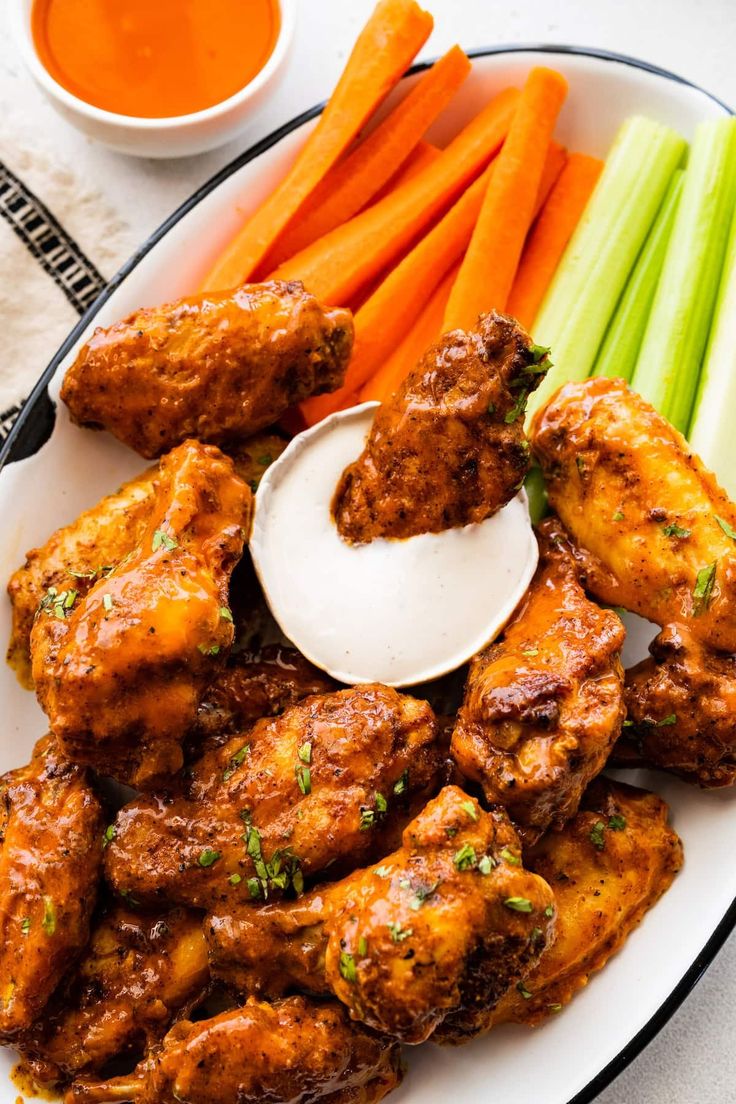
669 360
622 342
601 253
712 434
536 493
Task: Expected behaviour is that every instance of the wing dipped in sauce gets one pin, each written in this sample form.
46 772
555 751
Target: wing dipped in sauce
217 367
448 448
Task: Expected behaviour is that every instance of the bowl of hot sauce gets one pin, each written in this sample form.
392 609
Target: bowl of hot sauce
156 78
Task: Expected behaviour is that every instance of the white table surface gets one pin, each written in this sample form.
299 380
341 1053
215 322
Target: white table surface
694 1057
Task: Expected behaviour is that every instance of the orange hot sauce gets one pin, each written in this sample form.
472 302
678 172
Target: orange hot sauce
154 58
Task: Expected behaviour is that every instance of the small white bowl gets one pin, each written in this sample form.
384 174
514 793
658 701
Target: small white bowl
174 136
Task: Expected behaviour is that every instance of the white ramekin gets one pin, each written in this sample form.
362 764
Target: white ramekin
176 136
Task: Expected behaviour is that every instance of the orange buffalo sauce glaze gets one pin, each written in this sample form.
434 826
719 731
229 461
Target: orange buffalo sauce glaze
154 58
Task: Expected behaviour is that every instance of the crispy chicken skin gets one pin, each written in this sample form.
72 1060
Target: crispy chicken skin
120 672
448 448
255 685
323 785
423 942
74 556
608 866
139 970
641 507
544 706
51 827
293 1052
682 708
217 367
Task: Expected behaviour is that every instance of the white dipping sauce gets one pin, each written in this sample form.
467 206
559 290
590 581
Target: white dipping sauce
391 611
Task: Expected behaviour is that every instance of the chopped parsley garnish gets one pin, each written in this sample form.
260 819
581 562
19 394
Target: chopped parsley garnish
670 719
281 871
470 809
421 894
399 934
347 967
674 530
727 529
303 778
518 407
255 888
617 823
208 649
235 879
596 835
57 603
381 803
402 785
225 613
510 857
703 589
535 936
109 835
162 539
362 946
367 819
383 871
549 912
529 652
519 904
208 857
540 353
486 864
554 1007
305 753
465 858
49 916
236 761
618 516
25 925
524 991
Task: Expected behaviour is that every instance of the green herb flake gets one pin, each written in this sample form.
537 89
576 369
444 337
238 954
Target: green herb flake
510 857
383 871
670 719
518 407
554 1007
519 904
255 888
208 857
524 991
347 967
225 613
617 823
162 539
486 864
465 858
470 809
399 934
677 531
530 652
237 761
208 649
49 916
265 460
362 946
235 879
628 723
596 835
367 819
381 803
727 529
25 925
109 835
535 936
618 516
56 603
540 353
703 589
402 785
303 778
549 912
421 894
305 753
491 408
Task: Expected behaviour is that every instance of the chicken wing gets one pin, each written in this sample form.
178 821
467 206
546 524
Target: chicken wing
449 447
215 367
120 671
50 849
652 523
608 866
423 942
324 785
293 1052
682 709
544 706
251 686
139 971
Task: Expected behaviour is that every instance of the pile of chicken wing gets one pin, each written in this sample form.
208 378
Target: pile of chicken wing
287 879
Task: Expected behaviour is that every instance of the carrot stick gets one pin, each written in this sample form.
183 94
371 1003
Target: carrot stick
550 235
350 185
394 33
423 333
338 266
553 165
381 321
423 154
490 264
